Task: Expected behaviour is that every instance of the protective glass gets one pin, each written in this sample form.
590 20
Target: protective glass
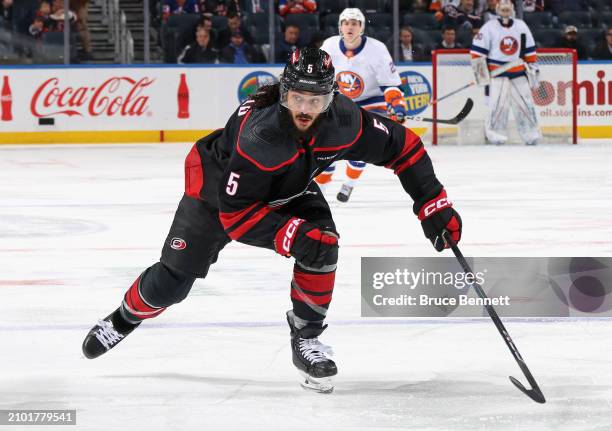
307 103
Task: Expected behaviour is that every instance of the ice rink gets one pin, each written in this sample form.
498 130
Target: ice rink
79 223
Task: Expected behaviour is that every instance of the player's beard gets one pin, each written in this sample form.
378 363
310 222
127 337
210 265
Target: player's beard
287 123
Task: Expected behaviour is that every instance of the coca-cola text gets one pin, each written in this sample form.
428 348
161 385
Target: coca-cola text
120 95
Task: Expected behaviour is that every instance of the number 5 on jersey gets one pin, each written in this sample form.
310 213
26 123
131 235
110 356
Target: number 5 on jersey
232 184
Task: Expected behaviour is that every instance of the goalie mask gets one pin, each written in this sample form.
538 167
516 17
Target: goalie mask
505 10
310 74
351 13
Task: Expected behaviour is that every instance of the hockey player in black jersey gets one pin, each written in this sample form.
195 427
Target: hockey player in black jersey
252 182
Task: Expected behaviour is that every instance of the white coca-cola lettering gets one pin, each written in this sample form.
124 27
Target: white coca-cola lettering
116 96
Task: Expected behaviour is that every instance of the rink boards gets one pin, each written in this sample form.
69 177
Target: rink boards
110 104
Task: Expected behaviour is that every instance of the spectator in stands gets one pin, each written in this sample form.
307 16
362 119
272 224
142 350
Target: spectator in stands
416 6
57 15
220 7
449 39
81 8
558 6
286 7
207 24
409 50
603 50
462 16
288 44
533 5
234 23
490 11
201 51
571 40
6 13
178 7
255 6
42 21
434 5
239 52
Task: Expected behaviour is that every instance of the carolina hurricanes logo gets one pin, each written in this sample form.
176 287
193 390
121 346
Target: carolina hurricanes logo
350 84
178 243
508 45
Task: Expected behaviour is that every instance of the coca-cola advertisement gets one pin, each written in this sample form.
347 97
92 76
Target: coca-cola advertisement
158 101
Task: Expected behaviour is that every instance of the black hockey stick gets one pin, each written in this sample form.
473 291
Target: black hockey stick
535 393
469 104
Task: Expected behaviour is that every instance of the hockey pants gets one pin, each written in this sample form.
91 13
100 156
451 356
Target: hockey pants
193 244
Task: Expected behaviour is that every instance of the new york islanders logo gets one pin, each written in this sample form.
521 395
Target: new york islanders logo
508 45
350 84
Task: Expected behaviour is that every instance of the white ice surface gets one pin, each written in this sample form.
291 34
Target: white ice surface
79 223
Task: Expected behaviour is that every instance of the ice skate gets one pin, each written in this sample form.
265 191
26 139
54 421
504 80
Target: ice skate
106 335
345 193
311 357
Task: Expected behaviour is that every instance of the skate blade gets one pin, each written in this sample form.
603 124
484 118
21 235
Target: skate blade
321 385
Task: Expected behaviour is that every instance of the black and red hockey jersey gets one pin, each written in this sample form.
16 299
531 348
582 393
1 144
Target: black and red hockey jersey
254 165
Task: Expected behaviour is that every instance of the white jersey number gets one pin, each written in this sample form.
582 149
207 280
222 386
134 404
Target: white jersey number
232 184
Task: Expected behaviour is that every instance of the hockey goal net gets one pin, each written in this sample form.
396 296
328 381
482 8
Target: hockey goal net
555 99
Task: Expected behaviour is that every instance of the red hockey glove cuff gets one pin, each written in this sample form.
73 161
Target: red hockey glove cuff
437 216
307 243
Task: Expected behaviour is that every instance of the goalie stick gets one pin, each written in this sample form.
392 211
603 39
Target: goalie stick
494 74
469 104
535 393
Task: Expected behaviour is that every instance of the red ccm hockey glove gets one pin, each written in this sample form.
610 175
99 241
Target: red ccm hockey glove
310 246
437 216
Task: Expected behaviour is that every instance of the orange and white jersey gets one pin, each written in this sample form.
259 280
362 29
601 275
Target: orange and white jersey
363 74
501 44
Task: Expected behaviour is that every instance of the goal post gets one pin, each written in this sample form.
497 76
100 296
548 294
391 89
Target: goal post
555 99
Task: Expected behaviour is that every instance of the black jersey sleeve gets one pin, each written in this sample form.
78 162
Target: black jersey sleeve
384 142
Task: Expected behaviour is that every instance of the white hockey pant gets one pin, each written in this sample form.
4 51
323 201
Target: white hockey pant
505 95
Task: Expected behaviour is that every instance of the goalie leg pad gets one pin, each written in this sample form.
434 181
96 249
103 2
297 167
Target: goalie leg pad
498 111
523 110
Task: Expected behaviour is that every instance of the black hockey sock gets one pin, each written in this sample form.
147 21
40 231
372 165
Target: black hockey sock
121 323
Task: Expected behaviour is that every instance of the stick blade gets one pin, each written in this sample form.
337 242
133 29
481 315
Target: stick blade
465 111
535 393
467 108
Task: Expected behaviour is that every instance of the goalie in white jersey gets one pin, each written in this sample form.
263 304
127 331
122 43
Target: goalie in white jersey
499 43
364 72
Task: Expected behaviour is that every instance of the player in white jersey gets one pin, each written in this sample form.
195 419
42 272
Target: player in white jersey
498 43
364 72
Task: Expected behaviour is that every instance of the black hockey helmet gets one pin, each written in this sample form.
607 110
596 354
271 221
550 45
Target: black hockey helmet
310 70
